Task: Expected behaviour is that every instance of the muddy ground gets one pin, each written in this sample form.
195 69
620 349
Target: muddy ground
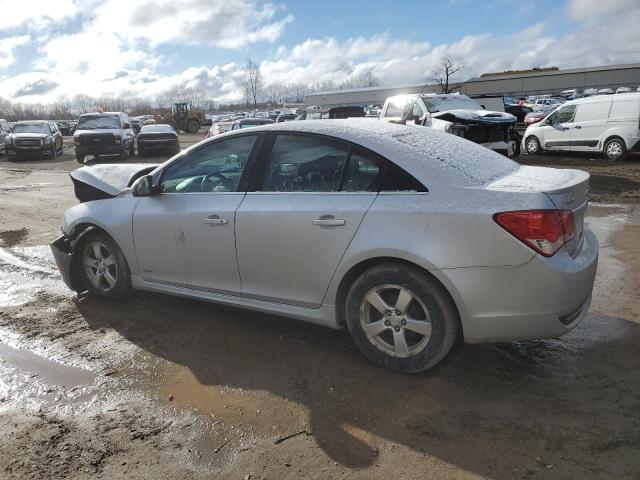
159 387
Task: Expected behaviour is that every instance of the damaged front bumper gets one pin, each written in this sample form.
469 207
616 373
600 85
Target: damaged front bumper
63 254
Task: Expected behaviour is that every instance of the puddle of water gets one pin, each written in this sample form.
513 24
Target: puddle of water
50 372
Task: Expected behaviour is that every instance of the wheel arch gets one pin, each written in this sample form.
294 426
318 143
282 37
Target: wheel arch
356 270
612 136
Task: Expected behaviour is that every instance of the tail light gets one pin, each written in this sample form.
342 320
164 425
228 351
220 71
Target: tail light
545 231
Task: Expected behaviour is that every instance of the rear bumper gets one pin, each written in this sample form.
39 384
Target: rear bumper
544 298
157 144
61 249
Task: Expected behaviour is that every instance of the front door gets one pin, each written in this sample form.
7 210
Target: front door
558 128
292 233
191 222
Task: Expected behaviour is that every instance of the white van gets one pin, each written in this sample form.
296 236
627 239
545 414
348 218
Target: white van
609 124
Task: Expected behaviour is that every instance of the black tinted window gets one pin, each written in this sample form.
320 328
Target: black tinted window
216 167
397 180
362 174
301 163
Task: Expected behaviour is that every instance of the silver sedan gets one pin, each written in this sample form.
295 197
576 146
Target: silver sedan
409 237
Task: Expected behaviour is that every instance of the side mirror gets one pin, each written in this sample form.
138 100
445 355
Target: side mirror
143 187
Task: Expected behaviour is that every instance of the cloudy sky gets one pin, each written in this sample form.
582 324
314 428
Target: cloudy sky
50 48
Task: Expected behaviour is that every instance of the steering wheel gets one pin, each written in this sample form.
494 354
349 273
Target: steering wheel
207 178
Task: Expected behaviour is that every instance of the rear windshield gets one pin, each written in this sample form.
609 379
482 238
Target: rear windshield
31 128
442 103
157 129
92 122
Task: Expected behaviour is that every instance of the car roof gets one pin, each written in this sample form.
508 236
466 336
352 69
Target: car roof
429 155
32 122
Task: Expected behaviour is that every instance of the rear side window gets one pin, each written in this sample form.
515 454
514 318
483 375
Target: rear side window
587 112
625 110
397 180
301 163
363 173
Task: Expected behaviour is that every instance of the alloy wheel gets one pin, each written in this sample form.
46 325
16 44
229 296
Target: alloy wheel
100 266
614 150
532 145
395 320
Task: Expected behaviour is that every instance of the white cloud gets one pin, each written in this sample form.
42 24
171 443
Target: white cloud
9 44
584 9
99 59
222 23
37 12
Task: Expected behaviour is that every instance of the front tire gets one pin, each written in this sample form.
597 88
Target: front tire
615 150
103 270
193 126
532 145
401 318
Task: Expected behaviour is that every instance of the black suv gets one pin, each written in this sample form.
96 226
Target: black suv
34 139
104 133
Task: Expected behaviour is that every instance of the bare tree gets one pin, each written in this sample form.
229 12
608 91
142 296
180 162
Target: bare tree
252 82
447 69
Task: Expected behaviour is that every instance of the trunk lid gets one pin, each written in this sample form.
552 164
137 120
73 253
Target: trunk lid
98 182
566 188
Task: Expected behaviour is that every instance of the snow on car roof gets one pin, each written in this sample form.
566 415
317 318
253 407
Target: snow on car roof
425 153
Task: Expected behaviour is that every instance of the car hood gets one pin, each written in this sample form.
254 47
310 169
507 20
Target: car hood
98 182
29 135
486 116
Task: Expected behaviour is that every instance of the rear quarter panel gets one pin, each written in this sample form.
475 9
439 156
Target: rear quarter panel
438 232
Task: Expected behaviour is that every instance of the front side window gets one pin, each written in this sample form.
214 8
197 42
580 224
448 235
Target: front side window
299 163
216 167
563 115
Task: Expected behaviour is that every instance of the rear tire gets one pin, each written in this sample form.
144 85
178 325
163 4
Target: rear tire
80 158
532 145
412 329
102 268
615 150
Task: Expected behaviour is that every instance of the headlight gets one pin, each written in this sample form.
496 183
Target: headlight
8 140
48 140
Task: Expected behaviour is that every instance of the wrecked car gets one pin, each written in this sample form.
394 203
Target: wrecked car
456 114
410 238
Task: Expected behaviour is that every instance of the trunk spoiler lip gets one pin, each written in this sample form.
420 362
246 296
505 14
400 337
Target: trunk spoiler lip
539 179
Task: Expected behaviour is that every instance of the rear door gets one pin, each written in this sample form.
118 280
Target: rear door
589 125
309 197
557 129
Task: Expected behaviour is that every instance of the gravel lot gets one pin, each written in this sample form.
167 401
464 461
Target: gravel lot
160 387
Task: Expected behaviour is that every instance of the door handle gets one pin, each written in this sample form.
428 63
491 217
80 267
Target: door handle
577 127
215 220
329 222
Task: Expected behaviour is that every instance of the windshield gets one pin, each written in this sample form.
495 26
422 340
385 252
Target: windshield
31 128
92 122
442 103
